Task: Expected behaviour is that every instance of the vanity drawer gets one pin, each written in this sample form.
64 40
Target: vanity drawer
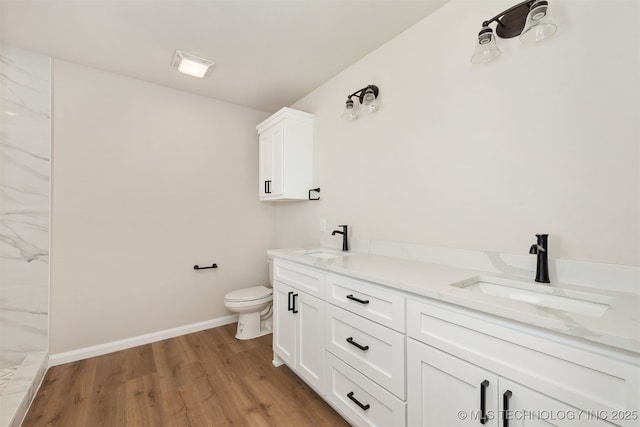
303 278
376 351
368 300
348 389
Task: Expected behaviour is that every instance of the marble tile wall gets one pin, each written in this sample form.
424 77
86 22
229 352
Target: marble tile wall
25 112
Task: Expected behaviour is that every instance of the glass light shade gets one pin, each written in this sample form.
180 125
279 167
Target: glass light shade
539 24
369 102
486 49
350 113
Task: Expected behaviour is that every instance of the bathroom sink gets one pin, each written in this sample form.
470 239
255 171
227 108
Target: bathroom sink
578 302
322 253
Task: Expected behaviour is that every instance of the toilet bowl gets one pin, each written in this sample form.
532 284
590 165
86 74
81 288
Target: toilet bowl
254 308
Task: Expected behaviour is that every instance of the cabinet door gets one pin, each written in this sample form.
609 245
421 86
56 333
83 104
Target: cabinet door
523 407
265 164
443 390
271 172
310 364
284 328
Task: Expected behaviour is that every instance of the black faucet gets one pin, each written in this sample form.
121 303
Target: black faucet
345 244
542 251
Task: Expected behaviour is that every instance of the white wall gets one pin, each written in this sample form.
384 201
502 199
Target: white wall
147 182
546 139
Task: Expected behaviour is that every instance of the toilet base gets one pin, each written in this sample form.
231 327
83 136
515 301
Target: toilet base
251 326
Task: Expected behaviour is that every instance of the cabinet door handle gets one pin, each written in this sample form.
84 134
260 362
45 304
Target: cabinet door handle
352 298
483 405
505 408
294 303
357 402
289 307
361 347
267 187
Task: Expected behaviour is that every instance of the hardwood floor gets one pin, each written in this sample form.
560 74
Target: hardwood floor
208 378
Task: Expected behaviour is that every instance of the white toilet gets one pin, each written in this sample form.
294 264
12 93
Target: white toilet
254 308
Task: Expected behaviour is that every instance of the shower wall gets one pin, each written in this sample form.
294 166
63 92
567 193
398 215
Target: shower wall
25 112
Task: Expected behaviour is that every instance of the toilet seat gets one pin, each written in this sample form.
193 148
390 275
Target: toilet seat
248 294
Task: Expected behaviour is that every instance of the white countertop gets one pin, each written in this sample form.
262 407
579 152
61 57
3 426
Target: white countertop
618 327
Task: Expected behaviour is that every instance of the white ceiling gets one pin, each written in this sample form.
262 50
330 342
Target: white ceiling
268 53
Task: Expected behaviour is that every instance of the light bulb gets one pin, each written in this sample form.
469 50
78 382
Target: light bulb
486 49
369 101
539 24
350 113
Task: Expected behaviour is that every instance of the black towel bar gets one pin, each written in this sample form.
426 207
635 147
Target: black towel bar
196 267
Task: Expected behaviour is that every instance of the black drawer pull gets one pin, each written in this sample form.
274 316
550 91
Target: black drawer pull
505 408
363 407
352 298
361 347
483 406
294 303
289 307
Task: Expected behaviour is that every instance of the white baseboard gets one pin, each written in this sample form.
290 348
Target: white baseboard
110 347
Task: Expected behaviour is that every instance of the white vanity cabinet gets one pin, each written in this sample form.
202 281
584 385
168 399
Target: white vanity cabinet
286 156
385 357
462 365
299 321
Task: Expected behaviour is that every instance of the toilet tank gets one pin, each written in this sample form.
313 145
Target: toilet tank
270 262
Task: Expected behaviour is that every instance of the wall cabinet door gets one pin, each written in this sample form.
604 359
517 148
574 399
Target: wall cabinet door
443 390
271 157
298 336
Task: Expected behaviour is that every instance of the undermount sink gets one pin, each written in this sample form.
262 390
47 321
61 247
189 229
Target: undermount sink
578 302
322 253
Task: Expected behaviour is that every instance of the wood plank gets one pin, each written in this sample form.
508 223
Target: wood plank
144 403
64 397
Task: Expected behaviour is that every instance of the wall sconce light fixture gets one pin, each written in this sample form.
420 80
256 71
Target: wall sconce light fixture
530 20
367 97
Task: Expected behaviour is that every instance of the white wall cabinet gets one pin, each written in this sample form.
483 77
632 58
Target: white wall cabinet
286 156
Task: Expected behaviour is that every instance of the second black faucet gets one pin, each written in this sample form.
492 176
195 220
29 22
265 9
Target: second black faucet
541 250
345 243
